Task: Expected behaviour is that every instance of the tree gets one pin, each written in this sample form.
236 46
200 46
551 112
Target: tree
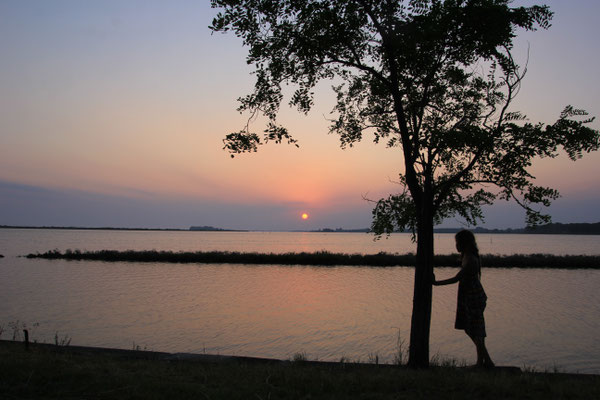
434 79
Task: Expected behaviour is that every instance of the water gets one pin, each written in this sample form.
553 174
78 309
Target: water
23 241
538 318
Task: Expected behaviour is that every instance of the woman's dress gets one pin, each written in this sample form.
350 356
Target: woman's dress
472 299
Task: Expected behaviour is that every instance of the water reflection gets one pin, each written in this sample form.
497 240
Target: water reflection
16 242
534 317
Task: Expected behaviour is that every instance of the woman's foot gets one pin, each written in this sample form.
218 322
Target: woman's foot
484 365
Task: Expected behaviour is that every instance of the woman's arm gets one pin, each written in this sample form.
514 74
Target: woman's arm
469 265
447 281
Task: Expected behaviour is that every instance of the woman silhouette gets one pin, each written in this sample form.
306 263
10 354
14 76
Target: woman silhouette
471 296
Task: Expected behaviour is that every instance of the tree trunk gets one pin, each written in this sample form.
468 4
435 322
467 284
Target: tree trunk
421 314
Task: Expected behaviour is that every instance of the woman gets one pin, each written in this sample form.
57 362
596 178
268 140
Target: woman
471 296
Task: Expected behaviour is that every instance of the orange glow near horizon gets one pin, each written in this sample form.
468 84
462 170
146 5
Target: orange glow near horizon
114 133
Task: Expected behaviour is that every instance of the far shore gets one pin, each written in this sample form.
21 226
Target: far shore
548 229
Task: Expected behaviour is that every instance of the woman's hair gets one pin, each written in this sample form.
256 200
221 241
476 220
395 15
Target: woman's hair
466 240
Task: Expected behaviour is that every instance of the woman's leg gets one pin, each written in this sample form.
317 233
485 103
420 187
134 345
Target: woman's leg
478 348
483 357
487 360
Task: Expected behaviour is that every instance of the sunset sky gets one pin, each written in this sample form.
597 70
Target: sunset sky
112 113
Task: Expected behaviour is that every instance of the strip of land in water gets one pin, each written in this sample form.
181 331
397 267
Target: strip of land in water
323 258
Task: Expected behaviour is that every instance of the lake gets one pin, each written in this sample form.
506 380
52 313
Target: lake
538 318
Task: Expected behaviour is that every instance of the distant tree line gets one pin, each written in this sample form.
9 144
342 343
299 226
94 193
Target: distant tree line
552 228
566 229
212 229
547 229
361 230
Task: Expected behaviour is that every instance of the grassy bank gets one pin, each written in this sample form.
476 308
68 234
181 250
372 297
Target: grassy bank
61 372
321 258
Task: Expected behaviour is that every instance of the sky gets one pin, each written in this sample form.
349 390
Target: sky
112 113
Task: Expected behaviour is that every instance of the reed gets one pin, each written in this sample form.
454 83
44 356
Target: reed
322 258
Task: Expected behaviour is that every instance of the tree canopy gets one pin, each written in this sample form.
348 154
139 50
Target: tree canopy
435 79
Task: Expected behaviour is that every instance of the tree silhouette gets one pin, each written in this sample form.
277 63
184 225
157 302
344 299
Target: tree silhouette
434 79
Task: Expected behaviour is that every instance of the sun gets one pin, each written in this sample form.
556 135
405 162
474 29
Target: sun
304 216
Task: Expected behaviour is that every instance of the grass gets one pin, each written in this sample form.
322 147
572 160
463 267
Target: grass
51 372
322 258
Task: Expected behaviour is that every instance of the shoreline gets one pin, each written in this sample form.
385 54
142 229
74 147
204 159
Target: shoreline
48 371
227 359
